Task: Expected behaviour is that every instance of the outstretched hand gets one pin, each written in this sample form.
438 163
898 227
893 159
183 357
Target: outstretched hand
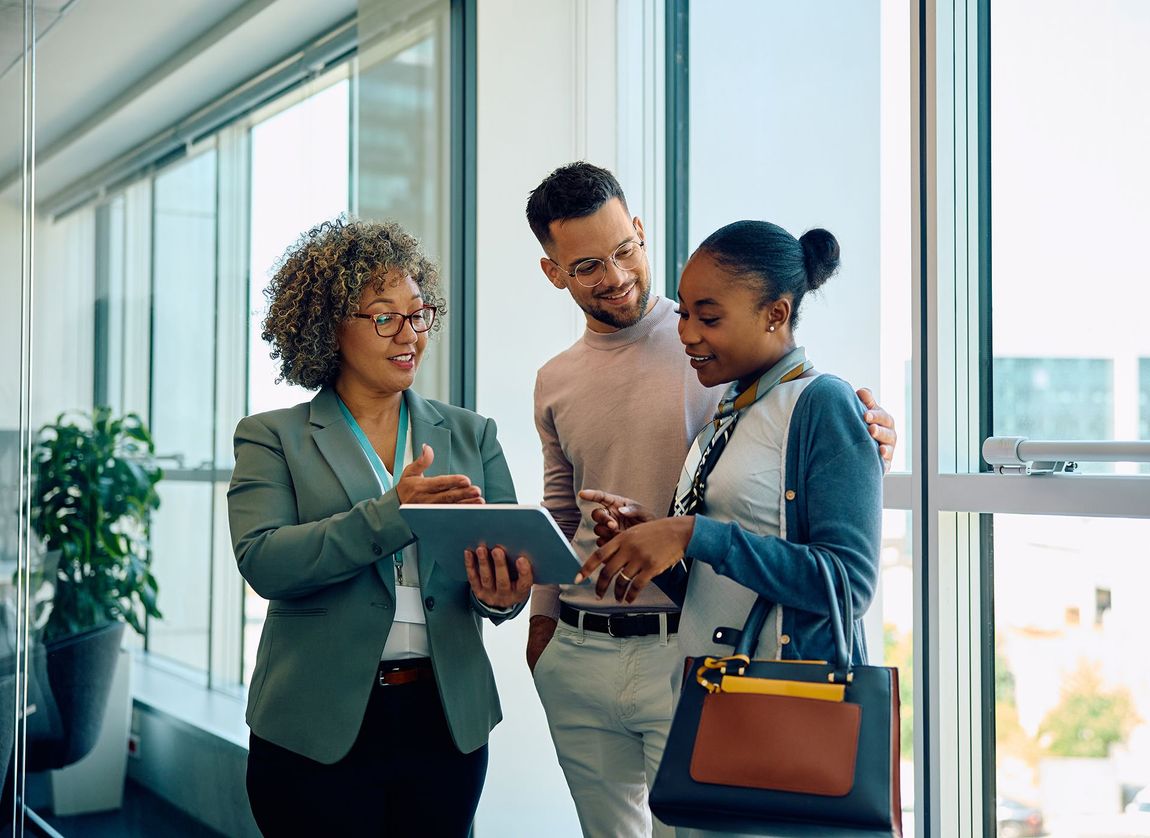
636 556
413 487
615 514
881 427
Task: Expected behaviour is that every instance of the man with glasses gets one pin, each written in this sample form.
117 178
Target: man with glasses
615 411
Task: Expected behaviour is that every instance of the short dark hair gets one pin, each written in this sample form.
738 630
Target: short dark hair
318 283
773 262
572 191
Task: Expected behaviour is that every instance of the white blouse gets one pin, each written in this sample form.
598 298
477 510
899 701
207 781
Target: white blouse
745 487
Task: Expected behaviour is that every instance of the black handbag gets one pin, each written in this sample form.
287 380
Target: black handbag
785 748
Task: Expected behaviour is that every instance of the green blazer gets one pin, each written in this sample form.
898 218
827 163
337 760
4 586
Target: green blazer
313 536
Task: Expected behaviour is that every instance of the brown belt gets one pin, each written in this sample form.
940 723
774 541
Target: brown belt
394 673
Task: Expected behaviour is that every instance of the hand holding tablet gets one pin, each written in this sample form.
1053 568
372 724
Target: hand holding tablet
446 530
497 580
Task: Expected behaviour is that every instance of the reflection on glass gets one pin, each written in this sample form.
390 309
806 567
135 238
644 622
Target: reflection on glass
1070 176
1072 676
403 142
398 142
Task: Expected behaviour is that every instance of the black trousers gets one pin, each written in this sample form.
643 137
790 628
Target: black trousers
403 776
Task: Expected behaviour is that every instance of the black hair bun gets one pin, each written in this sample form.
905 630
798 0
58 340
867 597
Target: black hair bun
820 256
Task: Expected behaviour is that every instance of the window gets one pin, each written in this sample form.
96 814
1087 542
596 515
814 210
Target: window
1072 677
299 178
1071 735
183 394
1028 568
403 148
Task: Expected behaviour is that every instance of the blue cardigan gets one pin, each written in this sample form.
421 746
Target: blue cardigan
833 506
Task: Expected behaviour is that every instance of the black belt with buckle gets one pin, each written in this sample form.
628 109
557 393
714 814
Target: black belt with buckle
619 625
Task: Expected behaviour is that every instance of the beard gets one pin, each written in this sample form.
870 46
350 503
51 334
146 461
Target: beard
620 319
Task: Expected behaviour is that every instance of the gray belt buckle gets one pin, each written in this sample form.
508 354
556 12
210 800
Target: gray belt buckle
610 626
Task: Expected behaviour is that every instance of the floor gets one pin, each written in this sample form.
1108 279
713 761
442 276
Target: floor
143 815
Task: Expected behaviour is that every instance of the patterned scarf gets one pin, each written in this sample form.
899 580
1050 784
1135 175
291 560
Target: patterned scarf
690 498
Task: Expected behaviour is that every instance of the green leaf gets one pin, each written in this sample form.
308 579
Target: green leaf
94 492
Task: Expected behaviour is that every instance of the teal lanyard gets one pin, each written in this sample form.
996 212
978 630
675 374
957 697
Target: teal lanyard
386 481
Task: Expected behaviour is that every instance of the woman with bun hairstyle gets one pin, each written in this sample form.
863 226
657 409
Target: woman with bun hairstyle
784 477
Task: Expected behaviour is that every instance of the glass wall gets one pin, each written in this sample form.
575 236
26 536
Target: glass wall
15 283
1068 184
1069 196
1033 173
1072 680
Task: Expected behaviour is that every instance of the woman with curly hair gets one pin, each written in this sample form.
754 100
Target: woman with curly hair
372 696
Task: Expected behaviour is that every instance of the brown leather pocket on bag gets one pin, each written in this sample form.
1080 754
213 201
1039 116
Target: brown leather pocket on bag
777 742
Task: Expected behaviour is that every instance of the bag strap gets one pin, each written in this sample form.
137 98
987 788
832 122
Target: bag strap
749 638
841 614
842 621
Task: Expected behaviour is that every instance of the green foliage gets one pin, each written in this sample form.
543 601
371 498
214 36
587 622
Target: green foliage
1011 740
898 650
1003 677
95 489
1087 719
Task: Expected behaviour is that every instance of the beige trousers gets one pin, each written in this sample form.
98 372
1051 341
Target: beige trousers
609 703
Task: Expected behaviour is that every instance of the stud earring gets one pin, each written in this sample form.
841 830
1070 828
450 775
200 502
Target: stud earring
771 328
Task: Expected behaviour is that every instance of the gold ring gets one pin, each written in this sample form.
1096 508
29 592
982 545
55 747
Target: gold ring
625 576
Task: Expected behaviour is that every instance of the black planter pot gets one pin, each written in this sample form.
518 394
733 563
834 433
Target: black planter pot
79 670
69 680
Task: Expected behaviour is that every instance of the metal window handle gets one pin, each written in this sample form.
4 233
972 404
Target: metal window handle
1019 455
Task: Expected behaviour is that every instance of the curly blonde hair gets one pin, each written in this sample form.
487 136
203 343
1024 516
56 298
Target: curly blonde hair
318 283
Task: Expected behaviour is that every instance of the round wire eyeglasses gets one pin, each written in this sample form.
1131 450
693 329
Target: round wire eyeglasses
590 272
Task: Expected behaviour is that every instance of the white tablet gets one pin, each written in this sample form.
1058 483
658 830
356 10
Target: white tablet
446 530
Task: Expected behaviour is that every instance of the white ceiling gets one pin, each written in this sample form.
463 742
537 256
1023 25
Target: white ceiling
112 73
45 15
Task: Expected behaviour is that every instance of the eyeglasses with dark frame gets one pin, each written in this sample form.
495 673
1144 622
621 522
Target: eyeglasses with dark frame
388 324
627 257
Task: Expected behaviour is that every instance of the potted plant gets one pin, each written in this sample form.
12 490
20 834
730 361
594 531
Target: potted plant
94 489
